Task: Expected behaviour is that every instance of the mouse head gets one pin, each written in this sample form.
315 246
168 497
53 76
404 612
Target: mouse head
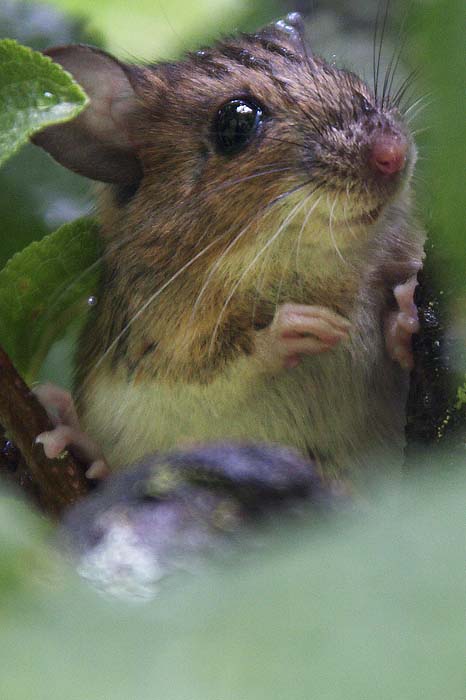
231 131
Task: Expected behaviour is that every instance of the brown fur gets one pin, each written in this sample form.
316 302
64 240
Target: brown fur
171 338
187 199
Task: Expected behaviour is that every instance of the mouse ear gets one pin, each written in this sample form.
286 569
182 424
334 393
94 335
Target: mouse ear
98 142
290 31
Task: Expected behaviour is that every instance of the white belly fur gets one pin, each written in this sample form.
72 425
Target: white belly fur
346 407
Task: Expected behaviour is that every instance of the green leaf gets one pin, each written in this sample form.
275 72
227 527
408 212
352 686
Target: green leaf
45 288
34 92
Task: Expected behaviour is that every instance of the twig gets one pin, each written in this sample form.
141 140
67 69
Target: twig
54 483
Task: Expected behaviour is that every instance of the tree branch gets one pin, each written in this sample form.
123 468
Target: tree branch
53 483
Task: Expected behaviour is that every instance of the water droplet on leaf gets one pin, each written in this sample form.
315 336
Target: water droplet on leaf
46 100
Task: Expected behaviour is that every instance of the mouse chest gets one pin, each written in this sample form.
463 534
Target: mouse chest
332 407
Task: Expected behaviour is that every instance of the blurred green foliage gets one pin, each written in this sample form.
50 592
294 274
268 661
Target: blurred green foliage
149 30
437 47
366 606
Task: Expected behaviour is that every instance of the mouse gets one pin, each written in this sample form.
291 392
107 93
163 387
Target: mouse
261 251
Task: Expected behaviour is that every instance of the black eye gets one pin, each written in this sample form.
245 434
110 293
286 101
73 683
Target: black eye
363 104
235 124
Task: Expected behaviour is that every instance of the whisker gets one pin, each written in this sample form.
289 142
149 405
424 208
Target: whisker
248 267
219 261
345 216
374 51
382 36
145 306
421 108
397 53
295 247
405 85
285 141
413 106
260 285
418 132
303 227
282 276
330 228
231 183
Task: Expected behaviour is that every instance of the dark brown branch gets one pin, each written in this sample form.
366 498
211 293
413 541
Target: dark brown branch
54 483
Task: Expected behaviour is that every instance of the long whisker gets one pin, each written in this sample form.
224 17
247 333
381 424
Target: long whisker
285 141
417 133
251 264
285 269
382 37
330 228
420 109
260 285
230 183
148 303
396 57
347 224
55 300
303 227
374 51
405 85
219 261
295 248
412 107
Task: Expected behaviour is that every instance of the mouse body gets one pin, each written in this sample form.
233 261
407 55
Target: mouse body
257 217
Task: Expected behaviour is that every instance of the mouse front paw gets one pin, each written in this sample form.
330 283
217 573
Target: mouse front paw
298 330
67 433
401 324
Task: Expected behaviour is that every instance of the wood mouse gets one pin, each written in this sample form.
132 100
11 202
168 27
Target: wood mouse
260 259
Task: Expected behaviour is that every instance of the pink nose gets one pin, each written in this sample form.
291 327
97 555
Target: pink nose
388 154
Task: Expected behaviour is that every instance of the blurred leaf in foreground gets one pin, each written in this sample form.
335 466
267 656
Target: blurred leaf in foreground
34 92
39 25
152 31
44 289
364 606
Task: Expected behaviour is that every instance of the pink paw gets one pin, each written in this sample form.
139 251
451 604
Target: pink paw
298 330
67 433
400 325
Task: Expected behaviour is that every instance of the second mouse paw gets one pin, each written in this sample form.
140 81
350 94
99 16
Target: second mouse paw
400 325
297 330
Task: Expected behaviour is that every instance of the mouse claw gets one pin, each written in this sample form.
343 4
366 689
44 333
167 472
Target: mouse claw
98 470
67 433
400 325
298 330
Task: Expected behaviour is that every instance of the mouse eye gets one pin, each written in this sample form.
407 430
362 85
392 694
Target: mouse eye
235 124
363 104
